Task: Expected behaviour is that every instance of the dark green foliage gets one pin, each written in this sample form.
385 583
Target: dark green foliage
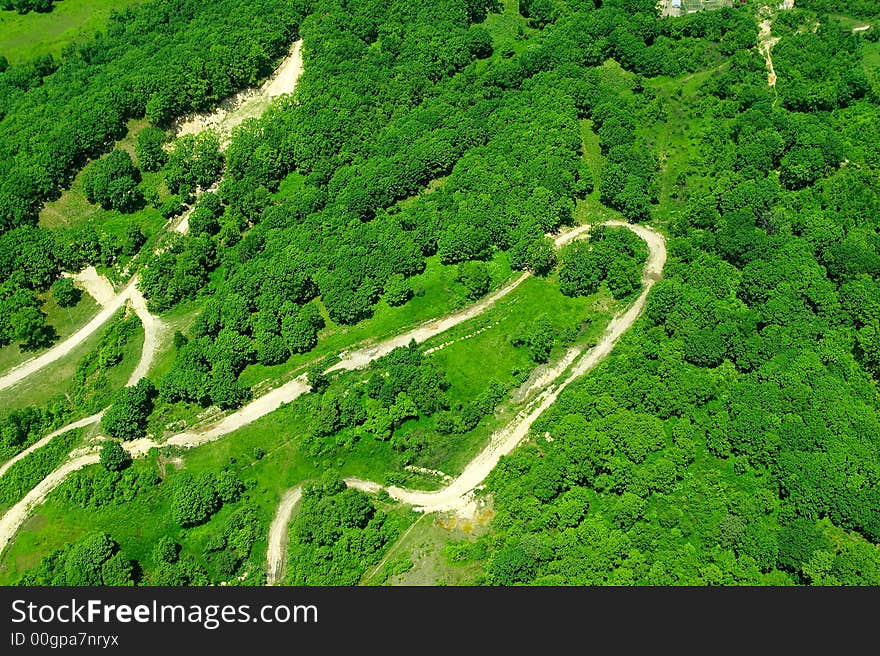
94 560
99 486
111 182
615 255
23 475
539 338
21 319
162 60
114 457
731 436
397 290
195 498
150 154
178 272
336 535
510 565
126 418
166 550
819 69
579 274
194 161
65 293
27 6
205 217
133 240
300 330
799 540
475 278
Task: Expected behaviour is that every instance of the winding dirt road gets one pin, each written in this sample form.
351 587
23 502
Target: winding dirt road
153 329
765 46
456 496
277 551
28 367
247 104
86 421
17 514
450 497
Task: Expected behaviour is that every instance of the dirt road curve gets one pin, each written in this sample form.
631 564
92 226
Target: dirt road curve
277 551
360 358
455 496
87 421
449 497
153 328
15 516
25 369
246 104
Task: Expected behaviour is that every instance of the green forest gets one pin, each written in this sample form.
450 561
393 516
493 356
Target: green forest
428 158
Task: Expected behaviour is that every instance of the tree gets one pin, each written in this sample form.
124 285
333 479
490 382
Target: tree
475 277
166 550
327 420
539 338
194 161
397 290
194 498
133 240
300 330
150 153
127 417
65 293
112 181
510 565
28 326
541 256
114 457
579 272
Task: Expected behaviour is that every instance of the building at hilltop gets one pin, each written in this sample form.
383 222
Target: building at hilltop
679 7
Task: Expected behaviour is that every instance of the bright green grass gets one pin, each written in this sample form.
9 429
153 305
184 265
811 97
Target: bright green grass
30 470
66 321
871 63
56 378
136 525
674 145
418 557
26 36
279 436
509 30
72 209
436 294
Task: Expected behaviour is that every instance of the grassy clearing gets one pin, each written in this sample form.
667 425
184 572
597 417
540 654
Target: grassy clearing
269 455
136 525
474 361
72 209
26 36
436 294
510 31
56 378
674 145
419 556
24 474
66 321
